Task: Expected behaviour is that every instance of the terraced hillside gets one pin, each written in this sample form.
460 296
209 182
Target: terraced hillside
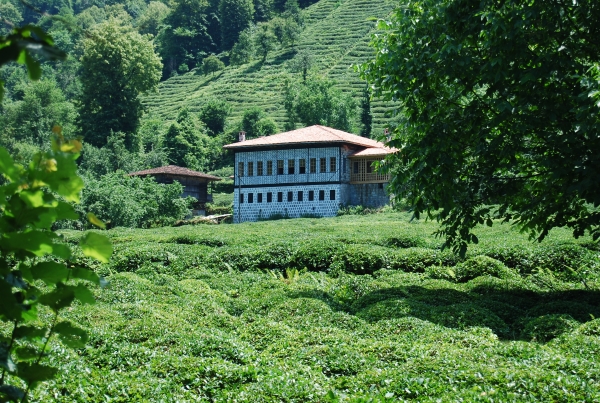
337 33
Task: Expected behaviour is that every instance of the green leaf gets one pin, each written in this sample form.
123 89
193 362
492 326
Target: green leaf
84 295
26 353
33 67
85 274
95 221
12 392
34 198
50 272
37 242
70 335
9 308
6 361
96 246
8 167
59 298
30 333
34 373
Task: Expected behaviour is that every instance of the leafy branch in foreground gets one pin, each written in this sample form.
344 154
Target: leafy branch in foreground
500 106
21 46
36 274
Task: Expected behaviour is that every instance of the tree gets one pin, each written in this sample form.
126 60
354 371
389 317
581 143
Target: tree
235 16
303 62
291 32
263 10
243 50
366 117
214 114
152 18
185 38
212 64
500 106
264 40
32 118
318 102
118 65
256 123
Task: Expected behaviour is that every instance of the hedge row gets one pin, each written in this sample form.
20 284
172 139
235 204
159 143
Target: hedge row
179 255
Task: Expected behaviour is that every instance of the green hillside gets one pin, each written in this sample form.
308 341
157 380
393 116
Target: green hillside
337 33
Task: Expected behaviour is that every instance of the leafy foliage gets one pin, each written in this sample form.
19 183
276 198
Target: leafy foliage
118 65
237 15
22 44
214 115
318 102
256 123
35 281
124 201
499 107
212 64
224 315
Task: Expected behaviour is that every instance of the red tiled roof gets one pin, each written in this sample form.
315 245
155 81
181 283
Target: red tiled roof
373 152
308 135
175 170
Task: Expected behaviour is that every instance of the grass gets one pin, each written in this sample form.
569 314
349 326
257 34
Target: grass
337 33
276 311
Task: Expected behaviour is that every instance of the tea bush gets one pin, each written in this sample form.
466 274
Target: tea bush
482 266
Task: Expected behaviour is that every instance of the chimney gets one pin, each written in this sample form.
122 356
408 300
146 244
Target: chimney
242 136
388 136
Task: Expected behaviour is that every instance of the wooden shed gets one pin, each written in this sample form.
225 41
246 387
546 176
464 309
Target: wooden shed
195 184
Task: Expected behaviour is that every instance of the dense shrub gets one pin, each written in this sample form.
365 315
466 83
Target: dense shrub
317 254
547 327
126 201
416 260
482 266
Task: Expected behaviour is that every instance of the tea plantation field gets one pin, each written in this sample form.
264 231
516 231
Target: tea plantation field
347 309
337 35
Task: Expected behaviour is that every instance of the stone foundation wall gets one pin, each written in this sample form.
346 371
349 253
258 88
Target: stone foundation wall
368 194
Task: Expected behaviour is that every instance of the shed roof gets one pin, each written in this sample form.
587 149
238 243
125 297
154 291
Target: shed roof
308 135
177 171
373 152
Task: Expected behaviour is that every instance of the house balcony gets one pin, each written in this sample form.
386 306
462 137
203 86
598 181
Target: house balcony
363 172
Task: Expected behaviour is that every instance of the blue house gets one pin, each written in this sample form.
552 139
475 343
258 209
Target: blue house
306 172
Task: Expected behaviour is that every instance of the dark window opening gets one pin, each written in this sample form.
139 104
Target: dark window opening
269 197
332 164
311 195
321 195
279 197
290 196
241 198
332 195
279 167
356 167
323 165
251 169
259 168
302 166
381 186
259 198
269 168
250 197
313 165
300 196
240 169
291 167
